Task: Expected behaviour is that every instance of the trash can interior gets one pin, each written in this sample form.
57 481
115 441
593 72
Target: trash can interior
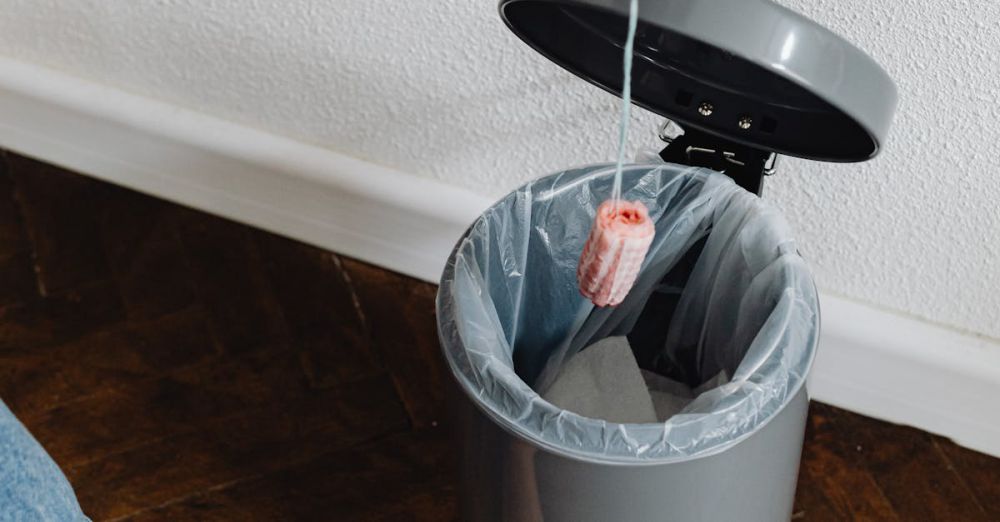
723 288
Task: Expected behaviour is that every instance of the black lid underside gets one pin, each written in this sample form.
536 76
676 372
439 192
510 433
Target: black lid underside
694 82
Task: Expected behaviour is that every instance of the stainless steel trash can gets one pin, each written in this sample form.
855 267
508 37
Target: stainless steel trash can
506 477
722 288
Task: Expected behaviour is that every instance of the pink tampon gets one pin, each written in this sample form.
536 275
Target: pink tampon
614 251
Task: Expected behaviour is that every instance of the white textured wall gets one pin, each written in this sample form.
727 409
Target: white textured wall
439 88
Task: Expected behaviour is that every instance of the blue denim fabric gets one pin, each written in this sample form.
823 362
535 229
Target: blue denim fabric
32 487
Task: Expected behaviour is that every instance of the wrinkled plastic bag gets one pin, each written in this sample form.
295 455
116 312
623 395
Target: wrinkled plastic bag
722 289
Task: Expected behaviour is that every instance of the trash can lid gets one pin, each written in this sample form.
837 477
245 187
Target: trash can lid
749 71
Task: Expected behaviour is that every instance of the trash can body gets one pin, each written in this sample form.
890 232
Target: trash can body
505 478
722 289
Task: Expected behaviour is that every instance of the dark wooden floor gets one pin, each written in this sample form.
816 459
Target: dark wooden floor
179 366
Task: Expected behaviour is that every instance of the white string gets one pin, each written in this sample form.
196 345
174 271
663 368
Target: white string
623 124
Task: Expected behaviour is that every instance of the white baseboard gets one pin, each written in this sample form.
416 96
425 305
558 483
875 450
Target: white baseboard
896 368
365 210
870 361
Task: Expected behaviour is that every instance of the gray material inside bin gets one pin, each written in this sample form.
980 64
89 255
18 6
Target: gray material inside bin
722 289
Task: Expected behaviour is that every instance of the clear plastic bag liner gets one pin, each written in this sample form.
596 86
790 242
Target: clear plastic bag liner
722 289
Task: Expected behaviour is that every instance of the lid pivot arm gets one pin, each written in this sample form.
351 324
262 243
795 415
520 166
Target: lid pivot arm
747 166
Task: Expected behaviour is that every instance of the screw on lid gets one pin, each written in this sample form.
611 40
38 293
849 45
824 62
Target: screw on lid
749 71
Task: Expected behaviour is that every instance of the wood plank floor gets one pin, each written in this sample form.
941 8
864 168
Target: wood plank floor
179 366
